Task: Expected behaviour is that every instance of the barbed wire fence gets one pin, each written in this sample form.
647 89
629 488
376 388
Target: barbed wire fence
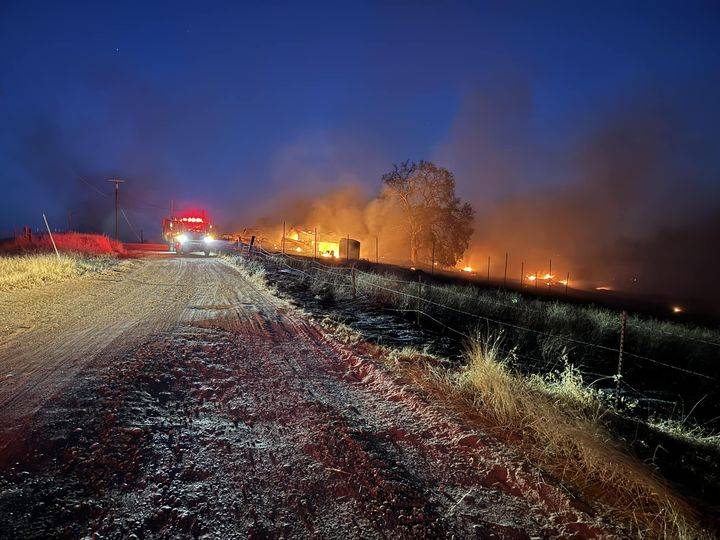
424 300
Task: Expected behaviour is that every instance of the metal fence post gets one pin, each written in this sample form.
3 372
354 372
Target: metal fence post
432 268
354 285
419 294
505 274
567 282
623 324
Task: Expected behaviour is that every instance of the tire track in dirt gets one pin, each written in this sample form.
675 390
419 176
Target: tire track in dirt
235 416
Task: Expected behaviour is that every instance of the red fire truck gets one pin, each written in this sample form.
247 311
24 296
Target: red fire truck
189 232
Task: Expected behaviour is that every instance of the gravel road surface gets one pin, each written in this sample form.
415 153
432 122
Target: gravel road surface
175 398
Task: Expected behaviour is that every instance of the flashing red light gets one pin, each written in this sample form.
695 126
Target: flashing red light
193 219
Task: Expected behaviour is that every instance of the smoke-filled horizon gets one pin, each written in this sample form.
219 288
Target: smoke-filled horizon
629 203
585 136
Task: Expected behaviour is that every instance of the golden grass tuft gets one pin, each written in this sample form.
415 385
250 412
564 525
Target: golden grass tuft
28 271
561 430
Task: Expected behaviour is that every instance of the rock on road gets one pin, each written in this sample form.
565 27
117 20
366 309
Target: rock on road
174 397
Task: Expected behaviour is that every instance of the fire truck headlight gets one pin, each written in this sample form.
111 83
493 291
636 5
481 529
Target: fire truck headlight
208 238
182 238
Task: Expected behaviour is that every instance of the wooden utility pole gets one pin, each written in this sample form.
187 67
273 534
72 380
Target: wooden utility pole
522 274
117 183
315 245
142 237
347 249
623 324
377 259
536 279
282 247
488 273
505 274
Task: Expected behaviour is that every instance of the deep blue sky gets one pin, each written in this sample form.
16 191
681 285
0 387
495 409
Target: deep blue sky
225 104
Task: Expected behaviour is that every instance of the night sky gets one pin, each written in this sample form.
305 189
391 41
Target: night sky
228 106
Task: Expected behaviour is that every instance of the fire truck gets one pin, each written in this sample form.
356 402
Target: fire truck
189 232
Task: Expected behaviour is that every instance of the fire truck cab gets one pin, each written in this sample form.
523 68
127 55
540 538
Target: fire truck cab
188 233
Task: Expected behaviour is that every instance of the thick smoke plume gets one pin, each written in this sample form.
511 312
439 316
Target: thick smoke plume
625 200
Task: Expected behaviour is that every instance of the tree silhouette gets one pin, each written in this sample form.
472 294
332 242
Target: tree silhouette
425 194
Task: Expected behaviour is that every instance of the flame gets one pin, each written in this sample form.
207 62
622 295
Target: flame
547 276
677 309
531 277
563 282
298 249
328 250
467 269
603 288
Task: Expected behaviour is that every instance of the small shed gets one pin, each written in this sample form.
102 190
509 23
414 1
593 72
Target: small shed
349 249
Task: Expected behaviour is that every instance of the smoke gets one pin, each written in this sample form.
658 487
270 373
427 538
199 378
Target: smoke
622 195
627 201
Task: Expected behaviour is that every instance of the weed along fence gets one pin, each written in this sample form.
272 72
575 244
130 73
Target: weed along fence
642 364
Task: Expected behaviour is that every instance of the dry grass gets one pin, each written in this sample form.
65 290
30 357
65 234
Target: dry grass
559 426
89 244
28 271
554 420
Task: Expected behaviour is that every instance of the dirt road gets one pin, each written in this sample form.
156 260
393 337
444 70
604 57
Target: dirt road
176 398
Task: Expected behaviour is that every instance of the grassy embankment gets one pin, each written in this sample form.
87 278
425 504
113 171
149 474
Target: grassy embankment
27 263
555 420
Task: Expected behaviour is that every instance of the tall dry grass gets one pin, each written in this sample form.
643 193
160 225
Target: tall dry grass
559 426
28 271
88 244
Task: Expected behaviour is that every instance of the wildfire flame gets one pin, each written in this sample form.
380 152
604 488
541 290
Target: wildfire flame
531 277
467 269
677 309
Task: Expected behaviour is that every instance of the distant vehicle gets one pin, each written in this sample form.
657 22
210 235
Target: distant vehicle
189 232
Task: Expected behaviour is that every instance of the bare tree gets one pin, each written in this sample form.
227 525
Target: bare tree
425 194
